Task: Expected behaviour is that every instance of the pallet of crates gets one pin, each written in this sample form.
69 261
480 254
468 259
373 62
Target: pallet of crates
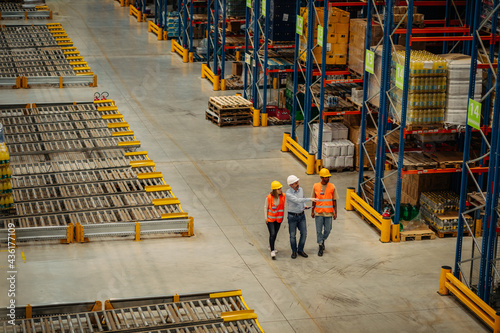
229 111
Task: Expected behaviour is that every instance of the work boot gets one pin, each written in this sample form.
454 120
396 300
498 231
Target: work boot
320 251
294 255
303 254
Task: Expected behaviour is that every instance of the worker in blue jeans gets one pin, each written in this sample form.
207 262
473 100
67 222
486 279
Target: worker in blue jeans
325 208
296 217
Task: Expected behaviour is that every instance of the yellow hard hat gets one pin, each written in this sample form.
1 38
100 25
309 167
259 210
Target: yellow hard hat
324 172
276 185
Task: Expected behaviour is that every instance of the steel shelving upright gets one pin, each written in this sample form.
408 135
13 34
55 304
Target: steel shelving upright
478 268
184 46
218 45
256 67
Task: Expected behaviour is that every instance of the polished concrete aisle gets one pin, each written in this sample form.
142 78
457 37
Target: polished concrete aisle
221 176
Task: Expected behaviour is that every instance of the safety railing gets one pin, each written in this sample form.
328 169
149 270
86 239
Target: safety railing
291 145
184 53
448 283
152 27
137 13
383 223
206 73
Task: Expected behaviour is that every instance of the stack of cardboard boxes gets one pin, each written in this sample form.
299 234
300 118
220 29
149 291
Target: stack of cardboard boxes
414 185
357 37
337 36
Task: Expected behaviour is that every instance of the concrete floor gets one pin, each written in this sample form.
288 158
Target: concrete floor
221 176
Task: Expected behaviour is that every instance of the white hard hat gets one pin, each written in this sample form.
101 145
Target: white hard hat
291 179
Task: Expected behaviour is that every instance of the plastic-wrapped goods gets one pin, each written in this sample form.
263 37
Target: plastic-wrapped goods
340 162
339 131
422 63
327 133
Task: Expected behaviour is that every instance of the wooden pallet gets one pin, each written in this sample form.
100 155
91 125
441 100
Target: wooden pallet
346 169
447 159
476 199
445 234
417 235
413 161
234 121
429 127
274 121
230 102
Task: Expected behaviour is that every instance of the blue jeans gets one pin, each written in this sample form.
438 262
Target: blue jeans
273 228
299 222
323 227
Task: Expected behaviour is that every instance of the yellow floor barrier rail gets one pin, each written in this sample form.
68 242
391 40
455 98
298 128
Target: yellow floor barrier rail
291 145
152 27
206 73
137 13
177 48
448 283
353 201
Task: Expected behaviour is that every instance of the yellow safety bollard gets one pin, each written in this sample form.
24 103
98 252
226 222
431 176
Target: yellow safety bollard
256 117
385 232
137 232
216 82
284 148
395 233
443 291
185 55
310 164
223 84
264 119
348 198
318 165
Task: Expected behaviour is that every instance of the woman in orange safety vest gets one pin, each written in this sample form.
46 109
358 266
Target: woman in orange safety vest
275 210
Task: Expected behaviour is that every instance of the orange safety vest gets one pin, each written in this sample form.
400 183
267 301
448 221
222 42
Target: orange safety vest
275 214
325 200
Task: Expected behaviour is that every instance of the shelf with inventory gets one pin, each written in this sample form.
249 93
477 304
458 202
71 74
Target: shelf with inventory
322 84
268 40
225 40
192 25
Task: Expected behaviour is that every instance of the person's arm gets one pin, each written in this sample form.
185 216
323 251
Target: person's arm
266 208
313 195
334 209
295 199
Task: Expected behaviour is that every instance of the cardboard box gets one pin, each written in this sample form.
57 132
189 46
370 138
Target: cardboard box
342 38
341 28
340 48
237 68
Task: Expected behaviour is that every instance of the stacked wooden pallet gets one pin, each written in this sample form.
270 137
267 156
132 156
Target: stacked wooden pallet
229 111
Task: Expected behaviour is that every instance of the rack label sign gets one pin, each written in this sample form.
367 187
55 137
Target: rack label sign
320 35
248 59
370 61
300 25
263 7
400 76
474 114
249 3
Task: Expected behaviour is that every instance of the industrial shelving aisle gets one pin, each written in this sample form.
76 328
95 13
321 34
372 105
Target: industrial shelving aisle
258 66
310 67
223 26
184 46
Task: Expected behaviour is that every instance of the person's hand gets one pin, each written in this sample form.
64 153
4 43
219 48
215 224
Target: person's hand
313 199
312 213
307 207
266 221
335 215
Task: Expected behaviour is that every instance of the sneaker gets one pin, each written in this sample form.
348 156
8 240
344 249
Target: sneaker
269 248
303 254
294 255
320 251
273 255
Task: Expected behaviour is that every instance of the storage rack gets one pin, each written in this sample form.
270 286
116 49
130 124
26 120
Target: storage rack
41 54
257 67
478 268
218 43
314 75
14 10
78 175
391 30
207 312
184 46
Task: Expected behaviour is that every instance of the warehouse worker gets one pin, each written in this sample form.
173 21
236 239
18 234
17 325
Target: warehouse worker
296 217
325 208
275 210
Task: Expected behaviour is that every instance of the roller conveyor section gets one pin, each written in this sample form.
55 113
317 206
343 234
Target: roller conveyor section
222 314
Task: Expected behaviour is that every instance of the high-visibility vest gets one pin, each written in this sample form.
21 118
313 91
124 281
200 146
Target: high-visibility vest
325 200
275 213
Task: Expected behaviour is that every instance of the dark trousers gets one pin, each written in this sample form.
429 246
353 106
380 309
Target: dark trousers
273 227
297 222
